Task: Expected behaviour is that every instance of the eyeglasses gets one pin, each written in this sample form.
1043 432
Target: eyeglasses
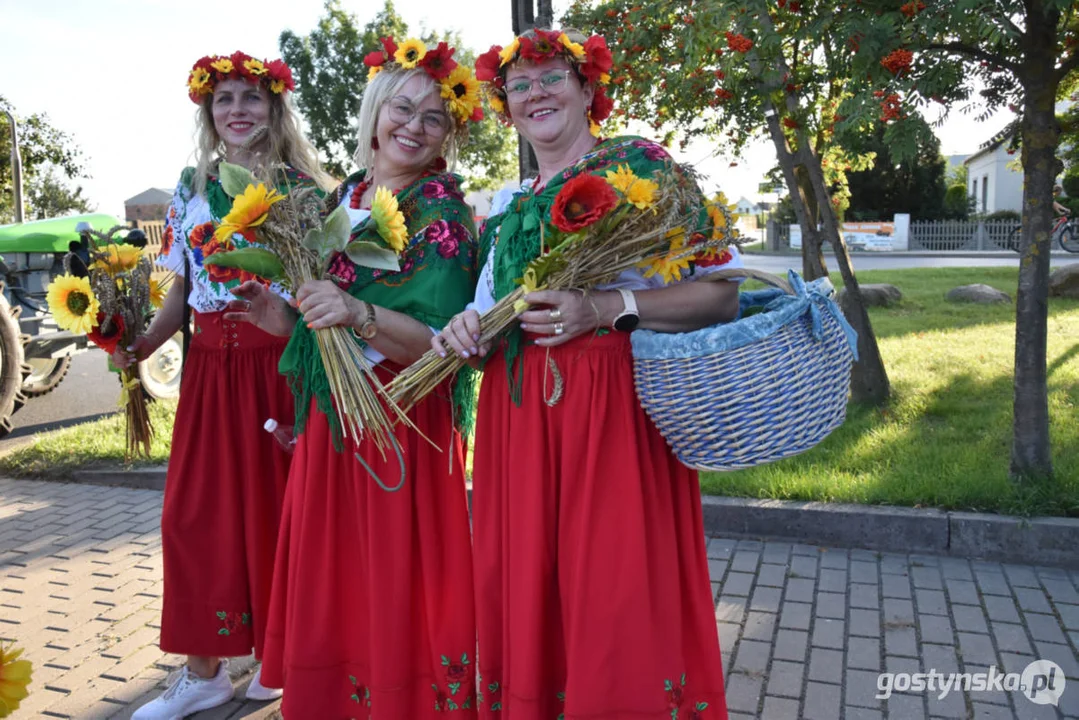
553 83
434 122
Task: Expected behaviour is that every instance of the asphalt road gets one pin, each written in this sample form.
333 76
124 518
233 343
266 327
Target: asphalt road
90 390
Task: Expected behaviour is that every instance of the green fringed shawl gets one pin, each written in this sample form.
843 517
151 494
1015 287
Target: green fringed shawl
437 279
515 233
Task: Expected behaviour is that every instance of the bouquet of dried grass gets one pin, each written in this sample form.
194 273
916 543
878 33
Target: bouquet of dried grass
599 228
299 246
111 298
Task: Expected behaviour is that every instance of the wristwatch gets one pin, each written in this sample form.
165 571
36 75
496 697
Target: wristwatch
627 320
368 329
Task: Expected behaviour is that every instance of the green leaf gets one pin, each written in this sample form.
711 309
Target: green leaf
464 658
222 614
368 254
701 706
352 679
338 227
319 241
258 261
222 631
235 179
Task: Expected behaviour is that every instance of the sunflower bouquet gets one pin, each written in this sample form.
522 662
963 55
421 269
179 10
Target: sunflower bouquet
599 228
110 298
300 242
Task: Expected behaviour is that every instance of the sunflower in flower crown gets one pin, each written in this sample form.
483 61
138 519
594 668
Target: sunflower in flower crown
274 75
73 304
14 677
457 85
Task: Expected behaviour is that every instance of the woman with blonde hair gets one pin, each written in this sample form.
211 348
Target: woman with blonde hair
226 479
372 606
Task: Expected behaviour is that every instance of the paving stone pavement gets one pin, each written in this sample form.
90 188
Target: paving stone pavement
805 630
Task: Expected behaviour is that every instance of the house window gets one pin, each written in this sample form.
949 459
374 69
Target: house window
985 193
974 193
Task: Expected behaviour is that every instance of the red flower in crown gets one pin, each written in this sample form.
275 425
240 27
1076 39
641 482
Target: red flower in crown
389 46
598 59
439 62
281 73
209 70
601 104
375 58
487 64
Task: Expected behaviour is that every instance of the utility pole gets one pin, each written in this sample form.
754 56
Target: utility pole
528 14
16 166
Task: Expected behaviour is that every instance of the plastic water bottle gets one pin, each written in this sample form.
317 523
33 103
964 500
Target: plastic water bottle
282 433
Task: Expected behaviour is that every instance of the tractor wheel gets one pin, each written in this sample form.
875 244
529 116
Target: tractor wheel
12 365
45 375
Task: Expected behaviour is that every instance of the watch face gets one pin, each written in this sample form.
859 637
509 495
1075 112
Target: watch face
627 323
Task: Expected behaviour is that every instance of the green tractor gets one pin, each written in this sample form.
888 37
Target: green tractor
35 354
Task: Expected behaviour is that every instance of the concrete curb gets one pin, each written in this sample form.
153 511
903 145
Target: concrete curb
1053 254
1000 538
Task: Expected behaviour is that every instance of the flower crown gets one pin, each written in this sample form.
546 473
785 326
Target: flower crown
457 84
591 60
212 69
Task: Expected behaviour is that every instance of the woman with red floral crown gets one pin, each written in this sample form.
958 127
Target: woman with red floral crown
372 612
226 479
593 598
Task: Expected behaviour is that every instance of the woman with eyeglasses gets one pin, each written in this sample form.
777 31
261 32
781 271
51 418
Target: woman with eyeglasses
593 599
371 613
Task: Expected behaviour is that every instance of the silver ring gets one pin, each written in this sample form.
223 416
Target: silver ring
556 315
558 329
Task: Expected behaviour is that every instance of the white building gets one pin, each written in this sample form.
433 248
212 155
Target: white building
993 185
745 206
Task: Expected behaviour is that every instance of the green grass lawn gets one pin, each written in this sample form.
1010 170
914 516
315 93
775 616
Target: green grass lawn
94 444
944 439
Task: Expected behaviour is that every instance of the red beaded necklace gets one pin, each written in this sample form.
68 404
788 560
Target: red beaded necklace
361 187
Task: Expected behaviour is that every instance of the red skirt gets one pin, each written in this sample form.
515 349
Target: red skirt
224 491
592 590
372 609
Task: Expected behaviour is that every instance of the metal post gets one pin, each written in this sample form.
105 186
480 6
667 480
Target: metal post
16 166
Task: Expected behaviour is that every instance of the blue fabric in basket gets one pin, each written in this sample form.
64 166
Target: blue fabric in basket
780 309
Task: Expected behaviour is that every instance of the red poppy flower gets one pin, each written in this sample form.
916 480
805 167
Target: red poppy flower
581 202
598 58
200 234
601 105
719 258
107 341
439 63
218 273
238 58
278 71
166 240
375 58
487 64
389 46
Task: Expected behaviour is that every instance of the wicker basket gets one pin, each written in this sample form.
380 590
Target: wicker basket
764 387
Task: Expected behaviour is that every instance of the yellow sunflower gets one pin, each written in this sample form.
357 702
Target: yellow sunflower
248 210
372 71
199 80
508 52
118 258
621 178
72 303
721 216
461 92
277 87
575 48
255 67
642 193
670 266
496 102
222 65
604 78
157 293
388 219
410 52
14 677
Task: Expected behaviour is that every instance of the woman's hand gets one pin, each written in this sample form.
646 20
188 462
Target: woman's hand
567 314
462 335
142 348
324 305
263 309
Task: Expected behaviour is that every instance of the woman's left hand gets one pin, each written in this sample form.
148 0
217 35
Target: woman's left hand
324 305
567 315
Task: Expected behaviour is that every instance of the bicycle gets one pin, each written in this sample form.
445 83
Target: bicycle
1065 231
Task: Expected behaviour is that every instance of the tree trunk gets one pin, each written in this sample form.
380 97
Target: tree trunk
1031 456
813 265
869 380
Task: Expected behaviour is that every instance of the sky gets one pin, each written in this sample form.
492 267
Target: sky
112 74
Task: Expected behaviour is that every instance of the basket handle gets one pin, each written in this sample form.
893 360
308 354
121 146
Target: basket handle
769 278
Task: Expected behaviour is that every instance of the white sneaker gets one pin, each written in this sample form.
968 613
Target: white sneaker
257 691
188 694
